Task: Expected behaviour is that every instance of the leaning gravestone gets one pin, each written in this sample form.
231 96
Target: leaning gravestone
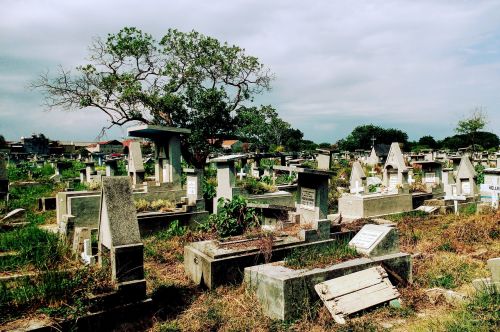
376 240
119 237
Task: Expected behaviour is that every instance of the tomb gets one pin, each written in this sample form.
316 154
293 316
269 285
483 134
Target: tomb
393 198
227 186
135 165
285 293
490 189
120 243
466 178
431 174
194 192
111 167
167 142
357 181
217 262
324 158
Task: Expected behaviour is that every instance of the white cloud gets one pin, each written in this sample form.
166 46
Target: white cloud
417 65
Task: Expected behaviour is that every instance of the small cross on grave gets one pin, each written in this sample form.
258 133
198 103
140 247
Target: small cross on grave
241 174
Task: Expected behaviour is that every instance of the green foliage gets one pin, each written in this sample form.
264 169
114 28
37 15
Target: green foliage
428 142
404 215
480 173
73 171
174 229
256 187
40 248
233 217
481 313
318 256
209 187
25 171
26 196
361 137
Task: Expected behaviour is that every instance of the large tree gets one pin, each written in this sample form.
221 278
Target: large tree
471 125
363 136
185 80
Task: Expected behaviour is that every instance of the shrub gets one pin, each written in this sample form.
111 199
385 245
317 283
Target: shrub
233 217
255 187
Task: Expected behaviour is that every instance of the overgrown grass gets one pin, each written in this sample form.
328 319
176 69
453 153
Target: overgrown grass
404 215
33 247
26 197
60 294
329 254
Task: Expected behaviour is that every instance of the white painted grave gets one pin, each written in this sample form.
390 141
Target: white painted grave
308 198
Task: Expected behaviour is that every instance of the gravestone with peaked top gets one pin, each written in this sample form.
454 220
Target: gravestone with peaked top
135 165
120 243
395 170
358 179
466 178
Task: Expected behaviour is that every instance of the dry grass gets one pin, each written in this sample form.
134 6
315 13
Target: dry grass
451 251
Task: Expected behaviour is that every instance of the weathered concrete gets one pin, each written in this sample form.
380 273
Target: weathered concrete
285 293
353 206
376 240
210 264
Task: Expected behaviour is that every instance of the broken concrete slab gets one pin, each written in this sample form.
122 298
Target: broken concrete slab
285 293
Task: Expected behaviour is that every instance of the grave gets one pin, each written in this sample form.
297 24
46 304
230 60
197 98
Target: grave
111 167
215 262
493 283
194 190
432 175
466 178
394 198
490 189
324 158
227 188
286 294
376 240
120 243
167 141
135 165
357 181
90 172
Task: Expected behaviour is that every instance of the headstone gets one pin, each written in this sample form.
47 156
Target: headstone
395 169
111 167
120 238
376 240
194 190
466 178
358 179
135 164
89 171
490 284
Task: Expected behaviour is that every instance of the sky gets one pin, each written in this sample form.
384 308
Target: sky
419 66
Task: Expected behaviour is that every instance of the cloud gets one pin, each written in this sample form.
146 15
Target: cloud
415 65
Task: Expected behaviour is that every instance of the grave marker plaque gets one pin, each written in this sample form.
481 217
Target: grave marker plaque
191 187
376 240
308 198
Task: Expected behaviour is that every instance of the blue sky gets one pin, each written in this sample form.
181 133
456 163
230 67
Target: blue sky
418 66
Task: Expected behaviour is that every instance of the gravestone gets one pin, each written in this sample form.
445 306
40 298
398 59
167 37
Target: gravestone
135 164
111 167
119 237
194 190
89 171
358 179
376 240
493 283
167 142
226 179
4 180
395 170
466 178
324 158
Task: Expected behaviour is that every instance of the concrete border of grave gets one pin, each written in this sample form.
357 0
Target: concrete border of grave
285 293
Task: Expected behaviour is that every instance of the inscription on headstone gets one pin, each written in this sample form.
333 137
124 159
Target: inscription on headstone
308 198
366 238
191 187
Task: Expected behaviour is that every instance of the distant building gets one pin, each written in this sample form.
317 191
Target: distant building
107 147
36 144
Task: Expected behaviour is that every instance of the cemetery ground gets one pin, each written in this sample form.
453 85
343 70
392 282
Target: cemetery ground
51 285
